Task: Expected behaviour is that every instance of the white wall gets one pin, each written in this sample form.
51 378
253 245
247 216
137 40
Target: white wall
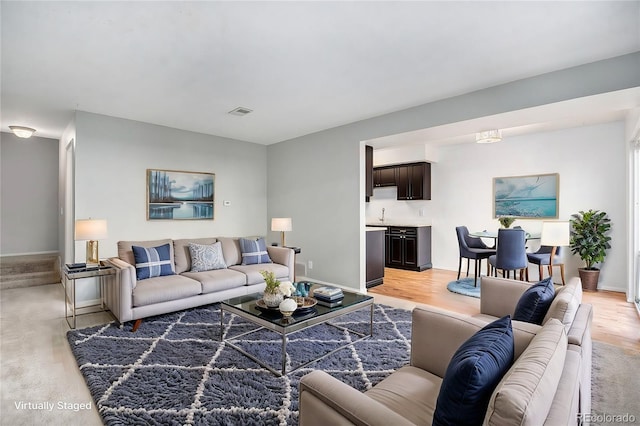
112 156
29 195
591 162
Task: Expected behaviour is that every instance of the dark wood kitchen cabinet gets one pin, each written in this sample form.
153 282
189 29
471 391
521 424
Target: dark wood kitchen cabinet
408 247
375 257
368 179
414 181
384 176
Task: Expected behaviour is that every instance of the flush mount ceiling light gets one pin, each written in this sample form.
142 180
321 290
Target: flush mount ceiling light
240 111
22 132
490 136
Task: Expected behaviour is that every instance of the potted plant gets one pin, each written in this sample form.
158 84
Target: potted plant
506 221
275 290
590 241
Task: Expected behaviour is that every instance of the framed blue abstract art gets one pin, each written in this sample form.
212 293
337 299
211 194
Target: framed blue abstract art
177 195
534 196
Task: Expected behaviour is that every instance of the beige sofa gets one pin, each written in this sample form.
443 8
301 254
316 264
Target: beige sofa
499 297
131 299
541 387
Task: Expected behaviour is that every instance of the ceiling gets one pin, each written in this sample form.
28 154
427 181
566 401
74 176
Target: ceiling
300 66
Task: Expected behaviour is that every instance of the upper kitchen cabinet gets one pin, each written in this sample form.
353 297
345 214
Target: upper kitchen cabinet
384 176
368 164
414 181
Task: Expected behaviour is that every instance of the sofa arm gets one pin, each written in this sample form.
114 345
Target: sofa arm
499 296
284 256
325 400
119 297
580 328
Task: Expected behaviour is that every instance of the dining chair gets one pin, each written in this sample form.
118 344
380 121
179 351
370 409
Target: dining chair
511 254
542 257
472 248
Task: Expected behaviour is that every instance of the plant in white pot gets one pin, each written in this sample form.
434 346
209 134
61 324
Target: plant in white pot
590 241
275 291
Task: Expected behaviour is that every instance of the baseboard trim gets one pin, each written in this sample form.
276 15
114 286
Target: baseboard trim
33 253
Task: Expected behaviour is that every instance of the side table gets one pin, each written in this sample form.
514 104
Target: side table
70 275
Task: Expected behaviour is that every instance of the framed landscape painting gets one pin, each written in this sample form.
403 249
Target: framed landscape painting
177 195
534 196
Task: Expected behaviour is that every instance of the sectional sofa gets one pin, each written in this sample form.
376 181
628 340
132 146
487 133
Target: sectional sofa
540 387
549 382
132 298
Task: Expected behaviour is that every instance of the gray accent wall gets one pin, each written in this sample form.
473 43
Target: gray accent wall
29 195
111 159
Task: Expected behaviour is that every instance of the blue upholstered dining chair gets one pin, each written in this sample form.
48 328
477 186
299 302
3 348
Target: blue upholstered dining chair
511 254
542 257
472 248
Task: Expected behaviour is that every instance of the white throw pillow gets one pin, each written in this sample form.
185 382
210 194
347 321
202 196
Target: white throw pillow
206 257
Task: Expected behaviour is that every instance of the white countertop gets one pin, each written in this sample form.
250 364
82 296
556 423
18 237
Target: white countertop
399 222
375 228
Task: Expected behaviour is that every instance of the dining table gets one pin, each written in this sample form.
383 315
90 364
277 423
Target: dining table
494 235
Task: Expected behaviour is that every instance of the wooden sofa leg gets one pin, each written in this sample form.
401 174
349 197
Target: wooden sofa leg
136 325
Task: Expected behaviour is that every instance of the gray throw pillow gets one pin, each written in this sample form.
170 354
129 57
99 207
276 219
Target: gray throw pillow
206 257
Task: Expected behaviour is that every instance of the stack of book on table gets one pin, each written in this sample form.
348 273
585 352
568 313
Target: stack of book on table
328 296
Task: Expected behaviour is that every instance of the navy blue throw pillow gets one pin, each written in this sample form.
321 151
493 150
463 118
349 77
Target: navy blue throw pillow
153 261
473 373
254 251
534 302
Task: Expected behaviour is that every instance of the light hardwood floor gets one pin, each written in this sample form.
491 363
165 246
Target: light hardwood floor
614 320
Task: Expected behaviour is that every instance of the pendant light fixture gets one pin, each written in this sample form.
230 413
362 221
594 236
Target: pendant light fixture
489 136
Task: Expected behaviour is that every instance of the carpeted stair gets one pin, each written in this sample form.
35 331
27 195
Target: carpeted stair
28 270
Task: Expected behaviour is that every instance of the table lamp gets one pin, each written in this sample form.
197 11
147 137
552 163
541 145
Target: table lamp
91 230
555 234
282 224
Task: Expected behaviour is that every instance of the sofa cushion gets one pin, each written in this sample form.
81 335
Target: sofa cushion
206 257
153 261
125 251
526 392
534 302
218 279
411 392
164 289
231 250
254 251
253 272
565 305
473 373
182 254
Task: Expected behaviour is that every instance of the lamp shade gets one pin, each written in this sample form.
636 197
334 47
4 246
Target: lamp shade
90 229
555 233
282 224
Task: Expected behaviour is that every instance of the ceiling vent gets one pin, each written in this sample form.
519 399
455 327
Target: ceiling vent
240 111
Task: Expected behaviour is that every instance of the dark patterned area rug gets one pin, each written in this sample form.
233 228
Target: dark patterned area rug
174 370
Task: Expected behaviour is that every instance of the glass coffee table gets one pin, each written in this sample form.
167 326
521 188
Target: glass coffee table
246 307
